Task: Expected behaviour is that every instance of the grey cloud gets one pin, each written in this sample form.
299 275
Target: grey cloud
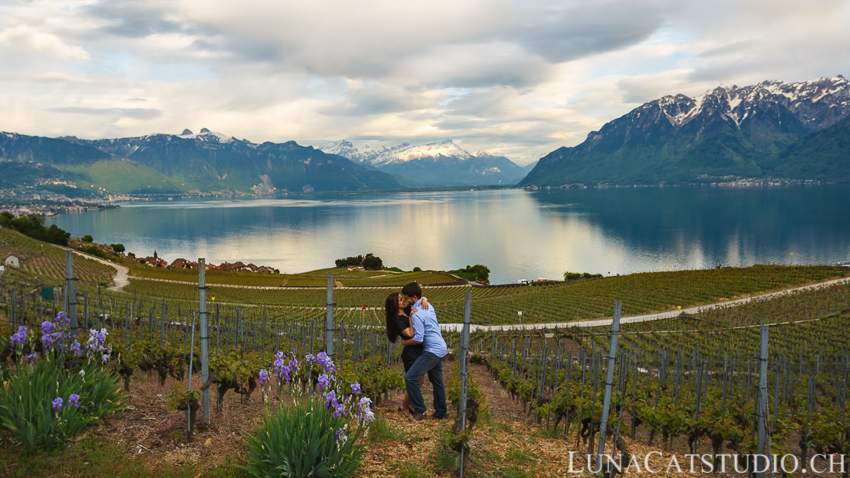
508 46
493 102
565 34
381 99
133 19
136 113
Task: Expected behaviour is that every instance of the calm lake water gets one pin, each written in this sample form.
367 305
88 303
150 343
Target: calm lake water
518 234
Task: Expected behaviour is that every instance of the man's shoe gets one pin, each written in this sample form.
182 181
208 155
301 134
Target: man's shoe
419 417
436 417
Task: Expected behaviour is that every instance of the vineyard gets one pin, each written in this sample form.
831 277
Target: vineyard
694 380
44 264
767 376
342 276
539 303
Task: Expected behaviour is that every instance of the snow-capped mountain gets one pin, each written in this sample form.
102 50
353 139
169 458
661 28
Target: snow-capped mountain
397 154
816 104
207 135
728 131
442 163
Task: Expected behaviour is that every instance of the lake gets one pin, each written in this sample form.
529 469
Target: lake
518 234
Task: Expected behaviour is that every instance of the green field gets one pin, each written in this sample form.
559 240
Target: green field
540 303
44 264
684 381
342 277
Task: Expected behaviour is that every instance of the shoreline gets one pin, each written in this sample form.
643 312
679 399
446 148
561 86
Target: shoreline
59 205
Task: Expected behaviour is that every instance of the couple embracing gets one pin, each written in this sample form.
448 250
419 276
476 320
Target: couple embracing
414 320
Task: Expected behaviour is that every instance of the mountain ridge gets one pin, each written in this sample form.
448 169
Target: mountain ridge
208 162
727 131
439 163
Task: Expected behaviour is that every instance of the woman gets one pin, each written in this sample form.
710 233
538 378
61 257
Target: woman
398 325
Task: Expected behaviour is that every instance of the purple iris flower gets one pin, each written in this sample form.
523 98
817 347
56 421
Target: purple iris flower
47 327
323 382
57 404
355 388
338 409
74 399
330 397
19 337
264 376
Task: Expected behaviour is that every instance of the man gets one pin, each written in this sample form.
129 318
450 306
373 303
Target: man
426 332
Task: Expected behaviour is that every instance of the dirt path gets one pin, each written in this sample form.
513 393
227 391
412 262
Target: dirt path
502 407
121 277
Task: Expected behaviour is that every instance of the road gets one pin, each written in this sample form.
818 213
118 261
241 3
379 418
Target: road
122 273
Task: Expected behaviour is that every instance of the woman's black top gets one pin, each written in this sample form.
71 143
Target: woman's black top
410 352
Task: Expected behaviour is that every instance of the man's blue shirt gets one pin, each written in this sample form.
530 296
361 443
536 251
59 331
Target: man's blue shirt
427 330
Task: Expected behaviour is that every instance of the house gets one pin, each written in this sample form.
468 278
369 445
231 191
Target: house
155 261
11 260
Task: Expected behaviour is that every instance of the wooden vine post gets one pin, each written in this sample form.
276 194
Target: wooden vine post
71 301
463 370
205 335
762 404
329 318
609 381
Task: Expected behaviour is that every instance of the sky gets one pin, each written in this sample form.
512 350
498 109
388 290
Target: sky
517 78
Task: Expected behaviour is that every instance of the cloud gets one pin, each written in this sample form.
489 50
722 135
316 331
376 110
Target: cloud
563 33
135 113
519 78
32 39
373 99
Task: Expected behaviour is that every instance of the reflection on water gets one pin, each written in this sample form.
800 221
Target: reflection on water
518 234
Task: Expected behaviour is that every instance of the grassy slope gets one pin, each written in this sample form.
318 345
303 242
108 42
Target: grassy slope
128 177
558 302
313 278
45 263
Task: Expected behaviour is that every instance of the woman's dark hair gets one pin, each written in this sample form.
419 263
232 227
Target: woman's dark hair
391 307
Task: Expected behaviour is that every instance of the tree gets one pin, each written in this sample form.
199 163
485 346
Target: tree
478 272
570 276
33 226
118 248
349 261
372 263
87 238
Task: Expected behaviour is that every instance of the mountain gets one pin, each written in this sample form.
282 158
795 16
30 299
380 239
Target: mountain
824 156
528 167
723 133
204 162
441 163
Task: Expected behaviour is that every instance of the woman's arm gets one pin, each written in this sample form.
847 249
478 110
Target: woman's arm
408 332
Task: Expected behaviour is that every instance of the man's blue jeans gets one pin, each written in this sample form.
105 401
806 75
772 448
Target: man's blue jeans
433 366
